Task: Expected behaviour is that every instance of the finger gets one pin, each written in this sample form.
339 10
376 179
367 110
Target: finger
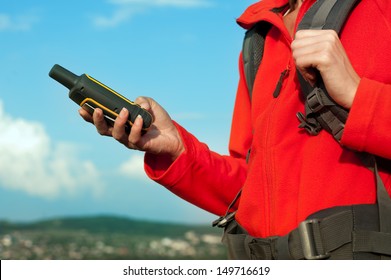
85 115
309 74
313 33
311 55
321 56
306 62
309 47
305 33
324 43
136 133
100 123
144 102
119 132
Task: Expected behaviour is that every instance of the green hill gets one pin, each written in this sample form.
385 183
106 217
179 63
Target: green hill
108 237
108 224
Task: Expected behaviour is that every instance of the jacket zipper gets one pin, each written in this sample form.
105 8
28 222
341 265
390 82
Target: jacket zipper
283 74
270 166
269 172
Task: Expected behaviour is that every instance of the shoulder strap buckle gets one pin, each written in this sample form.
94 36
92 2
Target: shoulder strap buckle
310 125
314 100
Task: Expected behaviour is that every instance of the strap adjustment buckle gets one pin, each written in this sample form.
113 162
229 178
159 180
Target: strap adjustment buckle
313 128
307 235
224 220
314 100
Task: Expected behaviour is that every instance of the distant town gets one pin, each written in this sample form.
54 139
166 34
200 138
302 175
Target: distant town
107 239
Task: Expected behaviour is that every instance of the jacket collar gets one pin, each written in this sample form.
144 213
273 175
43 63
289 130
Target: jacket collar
268 10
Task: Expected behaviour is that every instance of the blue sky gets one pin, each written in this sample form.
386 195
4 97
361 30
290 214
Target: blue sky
183 53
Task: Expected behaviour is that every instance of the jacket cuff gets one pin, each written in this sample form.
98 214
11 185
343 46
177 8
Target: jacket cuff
362 112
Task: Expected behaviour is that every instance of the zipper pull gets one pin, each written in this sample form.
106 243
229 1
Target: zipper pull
283 74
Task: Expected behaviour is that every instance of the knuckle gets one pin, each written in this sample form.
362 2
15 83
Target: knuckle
325 58
299 33
332 37
116 136
142 99
132 142
139 99
102 132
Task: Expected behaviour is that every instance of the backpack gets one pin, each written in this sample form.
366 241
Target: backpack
347 232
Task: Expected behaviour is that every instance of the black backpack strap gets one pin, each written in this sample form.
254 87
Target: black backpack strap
327 14
383 198
252 52
320 109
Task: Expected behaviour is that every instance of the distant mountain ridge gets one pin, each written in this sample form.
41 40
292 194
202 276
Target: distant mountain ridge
109 224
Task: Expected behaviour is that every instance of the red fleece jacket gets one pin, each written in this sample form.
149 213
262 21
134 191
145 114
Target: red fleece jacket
290 174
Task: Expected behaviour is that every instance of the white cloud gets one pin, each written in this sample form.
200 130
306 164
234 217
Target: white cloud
124 10
32 163
134 167
119 16
17 23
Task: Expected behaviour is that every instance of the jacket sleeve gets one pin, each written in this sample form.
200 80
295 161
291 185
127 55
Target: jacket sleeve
369 122
201 176
368 126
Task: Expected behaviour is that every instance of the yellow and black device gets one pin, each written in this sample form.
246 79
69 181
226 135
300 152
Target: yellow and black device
90 94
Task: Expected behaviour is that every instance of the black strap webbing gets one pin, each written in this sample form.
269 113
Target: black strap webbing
252 52
383 198
320 109
327 14
344 233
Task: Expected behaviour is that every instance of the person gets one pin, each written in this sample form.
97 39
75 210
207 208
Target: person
284 173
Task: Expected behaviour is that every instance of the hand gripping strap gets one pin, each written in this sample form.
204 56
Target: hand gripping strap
320 107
